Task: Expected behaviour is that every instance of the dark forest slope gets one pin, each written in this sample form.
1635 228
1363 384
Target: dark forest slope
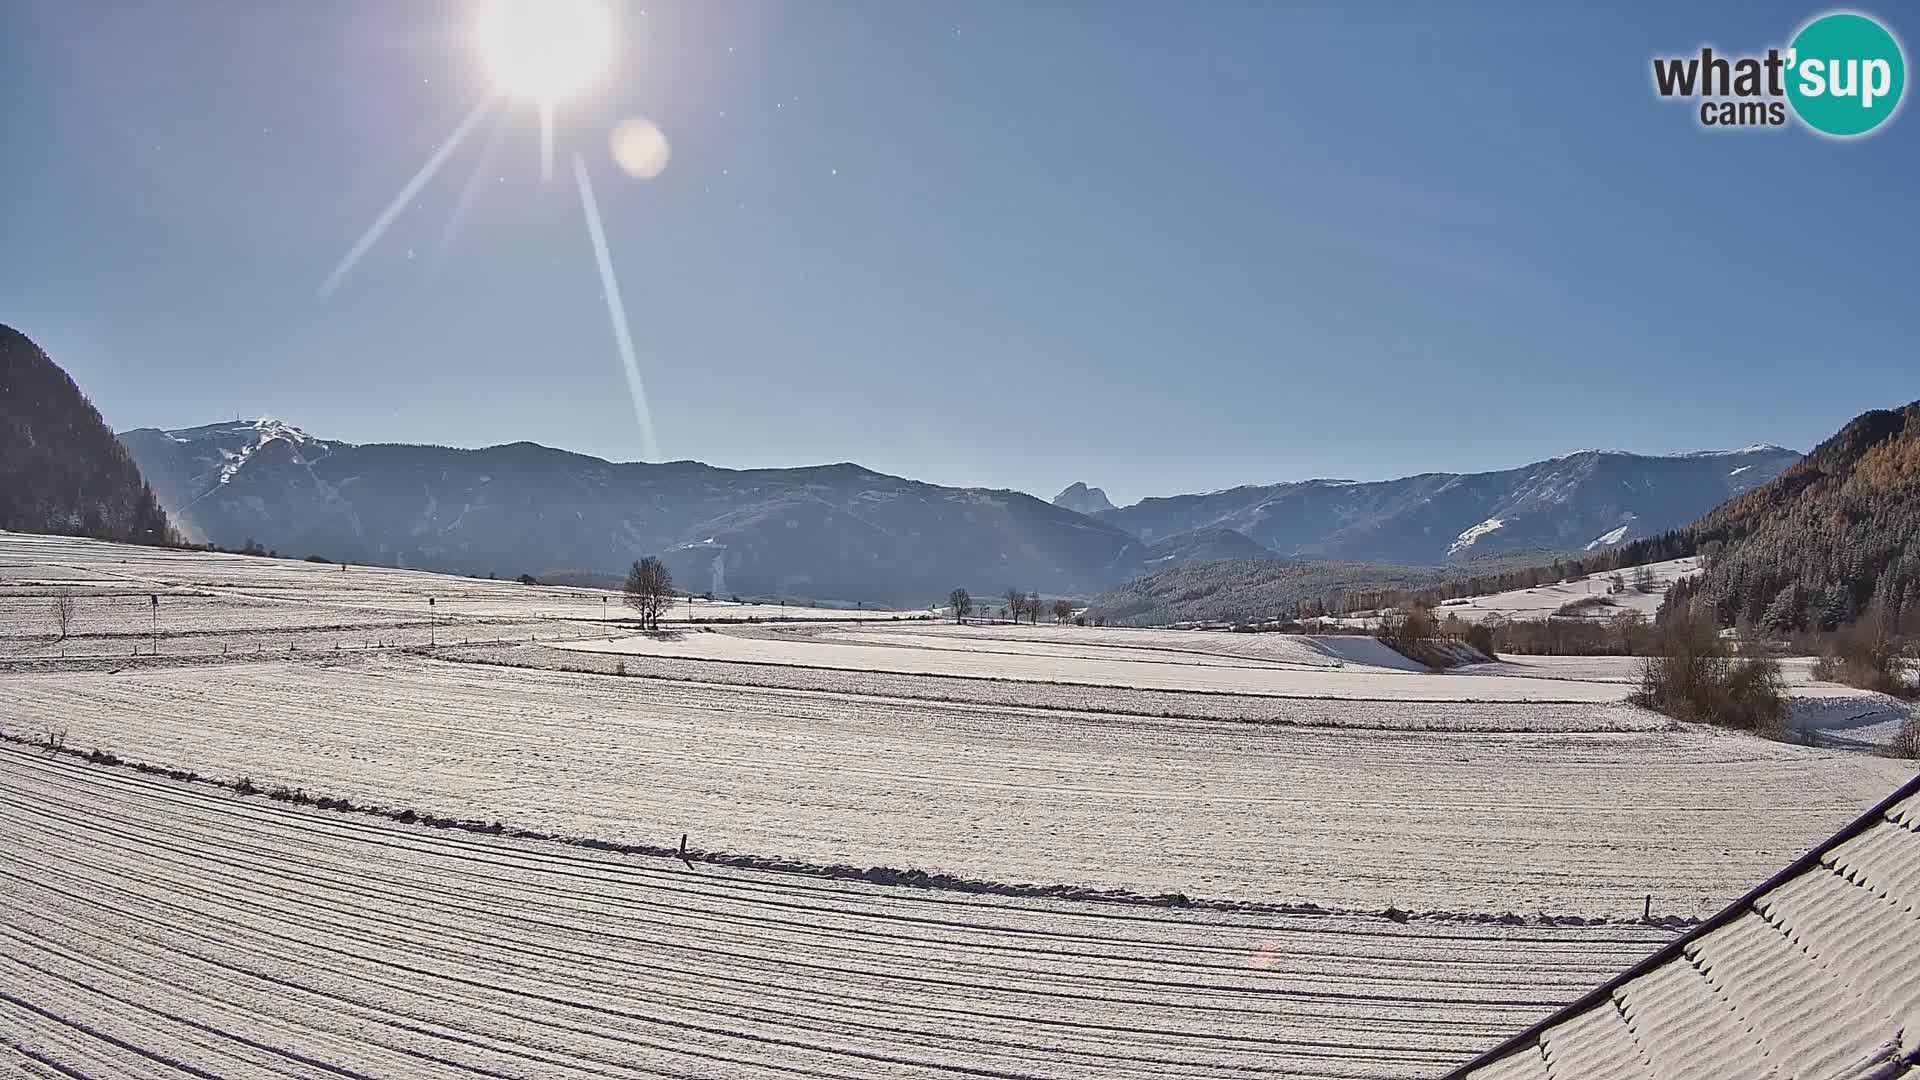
61 470
1831 537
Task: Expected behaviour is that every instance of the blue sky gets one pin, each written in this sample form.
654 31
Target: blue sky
1158 248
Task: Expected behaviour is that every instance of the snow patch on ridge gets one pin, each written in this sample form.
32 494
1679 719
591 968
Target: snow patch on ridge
1472 536
1756 448
1609 538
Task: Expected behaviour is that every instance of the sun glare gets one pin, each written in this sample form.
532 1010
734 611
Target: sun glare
545 50
541 51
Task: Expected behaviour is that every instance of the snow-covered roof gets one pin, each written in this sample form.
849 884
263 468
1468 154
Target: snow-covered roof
1810 975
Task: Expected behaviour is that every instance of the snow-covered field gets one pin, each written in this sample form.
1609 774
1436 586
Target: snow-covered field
153 927
218 603
1353 817
1547 599
1318 711
230 933
1087 665
1179 647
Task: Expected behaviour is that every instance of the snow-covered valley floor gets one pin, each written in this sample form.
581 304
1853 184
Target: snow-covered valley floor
1514 819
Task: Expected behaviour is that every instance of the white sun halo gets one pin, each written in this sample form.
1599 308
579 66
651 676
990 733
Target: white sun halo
544 50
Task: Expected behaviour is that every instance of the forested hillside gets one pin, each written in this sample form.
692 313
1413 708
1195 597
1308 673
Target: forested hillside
1834 537
1247 590
61 470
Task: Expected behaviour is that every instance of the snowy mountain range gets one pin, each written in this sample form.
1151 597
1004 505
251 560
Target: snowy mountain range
1583 501
836 532
844 532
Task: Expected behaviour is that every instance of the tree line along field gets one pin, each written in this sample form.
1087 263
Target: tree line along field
154 927
1477 848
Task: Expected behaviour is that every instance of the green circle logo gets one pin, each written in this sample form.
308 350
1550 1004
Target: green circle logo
1845 74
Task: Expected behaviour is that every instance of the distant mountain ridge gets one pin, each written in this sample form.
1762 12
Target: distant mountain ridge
60 469
844 532
829 531
1204 545
1585 501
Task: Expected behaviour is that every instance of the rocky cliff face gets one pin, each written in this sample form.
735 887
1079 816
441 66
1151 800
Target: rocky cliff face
1082 499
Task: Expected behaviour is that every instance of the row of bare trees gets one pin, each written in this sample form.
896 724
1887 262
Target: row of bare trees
1019 606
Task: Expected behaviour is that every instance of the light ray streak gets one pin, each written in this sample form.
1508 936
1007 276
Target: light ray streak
380 224
546 141
616 310
467 193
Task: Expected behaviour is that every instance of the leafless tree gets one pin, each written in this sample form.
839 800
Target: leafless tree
1033 608
63 613
1643 579
649 591
1062 611
961 602
1016 604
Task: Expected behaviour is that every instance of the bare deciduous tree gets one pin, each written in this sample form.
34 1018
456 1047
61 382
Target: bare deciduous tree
1643 579
1062 611
961 602
1033 608
1016 604
63 613
649 591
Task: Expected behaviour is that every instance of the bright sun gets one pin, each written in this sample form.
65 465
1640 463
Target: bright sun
545 50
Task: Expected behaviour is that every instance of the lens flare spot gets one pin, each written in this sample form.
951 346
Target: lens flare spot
1267 957
640 147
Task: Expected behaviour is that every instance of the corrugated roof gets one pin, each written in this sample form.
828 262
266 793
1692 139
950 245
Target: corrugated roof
1814 975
